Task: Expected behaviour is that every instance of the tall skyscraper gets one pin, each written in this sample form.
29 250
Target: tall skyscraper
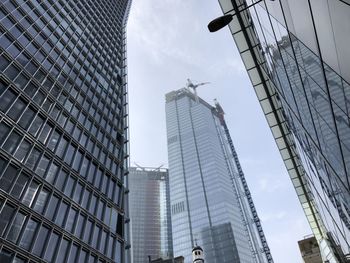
211 205
62 130
297 57
150 214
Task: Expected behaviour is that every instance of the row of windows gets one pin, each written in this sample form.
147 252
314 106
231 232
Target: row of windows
53 138
20 186
34 159
41 54
18 227
57 24
106 113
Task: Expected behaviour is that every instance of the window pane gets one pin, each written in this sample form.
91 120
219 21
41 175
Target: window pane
61 147
40 241
80 224
37 123
51 173
61 178
73 254
77 160
51 209
77 192
28 235
62 253
33 158
16 227
71 219
12 142
4 129
69 154
8 177
51 247
42 166
26 118
61 215
52 142
20 185
45 133
22 150
30 193
5 216
41 201
92 204
17 109
69 186
6 100
87 231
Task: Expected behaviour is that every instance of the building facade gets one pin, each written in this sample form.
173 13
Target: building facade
63 131
149 208
211 205
297 57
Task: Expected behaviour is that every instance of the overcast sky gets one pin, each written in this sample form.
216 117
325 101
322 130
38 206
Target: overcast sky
168 42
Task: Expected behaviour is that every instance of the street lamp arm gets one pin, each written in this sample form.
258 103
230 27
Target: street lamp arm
224 20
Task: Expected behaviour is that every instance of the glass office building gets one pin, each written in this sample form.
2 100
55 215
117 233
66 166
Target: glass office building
211 205
149 208
297 57
62 130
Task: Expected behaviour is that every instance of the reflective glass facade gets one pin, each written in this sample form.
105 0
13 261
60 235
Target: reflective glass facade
149 214
208 204
296 56
63 130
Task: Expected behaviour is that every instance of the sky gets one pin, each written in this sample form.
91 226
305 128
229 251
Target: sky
168 42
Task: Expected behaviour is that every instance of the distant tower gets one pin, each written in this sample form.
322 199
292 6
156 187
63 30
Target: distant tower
197 255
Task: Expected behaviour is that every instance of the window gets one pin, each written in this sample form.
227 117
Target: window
33 158
62 253
77 192
87 231
8 177
61 215
26 118
77 160
51 173
6 100
19 186
16 227
45 133
41 201
61 147
51 209
51 247
12 142
28 234
22 150
52 142
69 186
73 254
61 178
41 241
42 166
5 216
80 225
17 109
37 123
92 204
30 193
69 154
71 219
4 129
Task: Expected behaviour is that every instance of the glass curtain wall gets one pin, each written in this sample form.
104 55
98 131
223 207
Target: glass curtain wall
62 130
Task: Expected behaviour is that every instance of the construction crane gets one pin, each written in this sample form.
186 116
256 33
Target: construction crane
194 87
